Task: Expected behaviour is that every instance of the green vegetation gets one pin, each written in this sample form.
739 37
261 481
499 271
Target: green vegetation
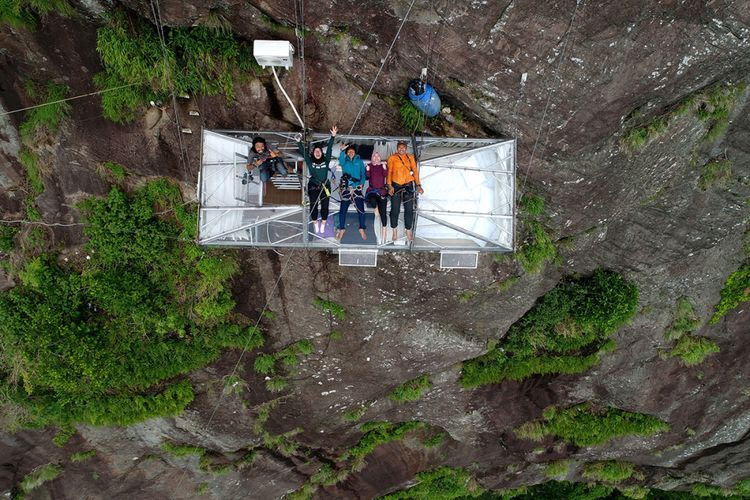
355 414
715 173
46 118
610 471
30 165
377 433
685 320
288 358
558 490
206 461
435 440
330 307
38 477
233 384
102 343
115 170
536 248
563 333
736 291
198 60
7 233
585 425
412 119
712 106
24 13
443 483
557 469
82 456
202 488
411 390
742 487
692 349
709 490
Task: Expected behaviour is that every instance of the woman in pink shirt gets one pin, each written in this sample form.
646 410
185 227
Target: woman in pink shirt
377 194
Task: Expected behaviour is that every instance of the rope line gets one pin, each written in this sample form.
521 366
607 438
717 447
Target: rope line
549 95
184 161
385 59
244 350
4 113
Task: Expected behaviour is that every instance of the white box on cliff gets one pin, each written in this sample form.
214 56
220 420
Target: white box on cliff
273 53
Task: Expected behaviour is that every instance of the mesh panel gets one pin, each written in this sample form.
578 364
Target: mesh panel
459 260
362 258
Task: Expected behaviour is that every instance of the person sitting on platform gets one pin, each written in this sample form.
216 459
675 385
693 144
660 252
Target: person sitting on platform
377 194
350 188
318 185
266 160
401 182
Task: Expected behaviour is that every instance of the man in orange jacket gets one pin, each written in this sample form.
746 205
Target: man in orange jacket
403 179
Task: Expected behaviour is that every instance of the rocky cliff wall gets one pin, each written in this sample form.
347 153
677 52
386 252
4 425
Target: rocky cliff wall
566 79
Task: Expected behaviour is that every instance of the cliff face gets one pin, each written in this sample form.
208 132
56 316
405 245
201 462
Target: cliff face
564 78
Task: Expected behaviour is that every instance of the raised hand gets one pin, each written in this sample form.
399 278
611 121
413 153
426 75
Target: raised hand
334 130
344 146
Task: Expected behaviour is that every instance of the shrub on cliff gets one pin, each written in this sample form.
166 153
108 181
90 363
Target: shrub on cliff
585 424
562 333
96 343
196 61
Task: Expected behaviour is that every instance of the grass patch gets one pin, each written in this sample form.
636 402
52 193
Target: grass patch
692 349
560 490
412 119
114 170
25 13
7 235
378 433
82 456
102 343
435 440
715 173
586 425
355 414
536 248
610 471
563 333
709 490
443 483
330 307
411 390
685 320
286 359
199 60
47 117
736 291
712 106
31 166
742 487
38 477
557 469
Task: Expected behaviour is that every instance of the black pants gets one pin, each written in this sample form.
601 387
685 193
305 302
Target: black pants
403 193
318 197
382 204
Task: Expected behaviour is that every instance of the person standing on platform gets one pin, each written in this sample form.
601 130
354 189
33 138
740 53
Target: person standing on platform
350 187
377 195
318 185
402 182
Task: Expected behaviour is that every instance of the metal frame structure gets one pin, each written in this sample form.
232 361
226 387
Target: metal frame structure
468 205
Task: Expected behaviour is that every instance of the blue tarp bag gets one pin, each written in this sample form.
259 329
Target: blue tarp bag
424 98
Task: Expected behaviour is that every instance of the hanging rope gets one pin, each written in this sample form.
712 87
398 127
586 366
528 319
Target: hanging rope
184 160
98 92
398 33
566 36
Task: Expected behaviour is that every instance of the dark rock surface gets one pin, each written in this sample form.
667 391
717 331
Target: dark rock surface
561 77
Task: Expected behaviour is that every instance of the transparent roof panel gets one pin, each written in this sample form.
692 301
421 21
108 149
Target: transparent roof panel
468 203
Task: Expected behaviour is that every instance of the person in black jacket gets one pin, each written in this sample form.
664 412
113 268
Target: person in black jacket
318 185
